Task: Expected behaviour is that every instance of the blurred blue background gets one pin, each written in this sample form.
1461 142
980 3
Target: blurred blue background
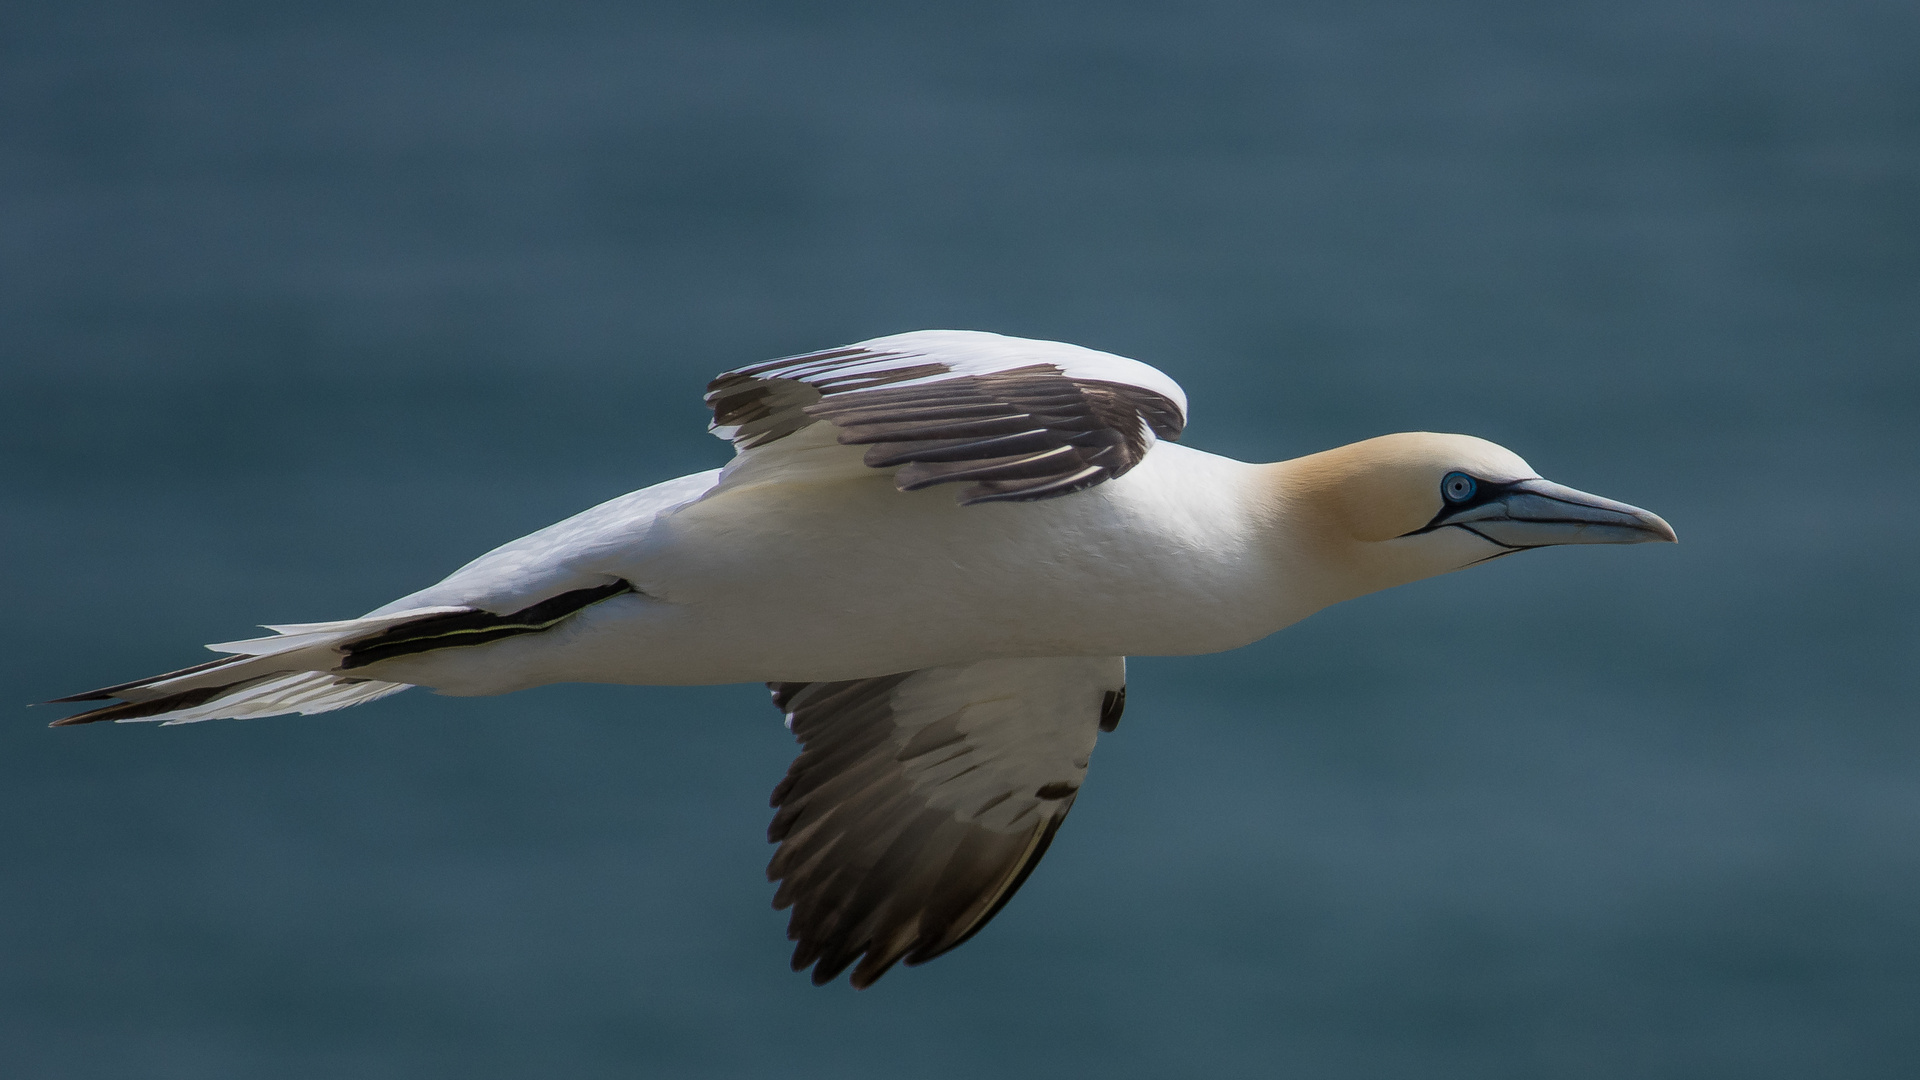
301 306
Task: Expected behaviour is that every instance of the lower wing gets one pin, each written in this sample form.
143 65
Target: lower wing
921 801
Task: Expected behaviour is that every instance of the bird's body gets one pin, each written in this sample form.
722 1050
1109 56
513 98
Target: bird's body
844 577
946 662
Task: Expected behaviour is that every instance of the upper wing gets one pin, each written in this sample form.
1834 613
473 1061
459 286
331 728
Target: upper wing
921 801
1016 419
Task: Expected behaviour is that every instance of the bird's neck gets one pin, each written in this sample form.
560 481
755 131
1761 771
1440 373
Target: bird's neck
1327 539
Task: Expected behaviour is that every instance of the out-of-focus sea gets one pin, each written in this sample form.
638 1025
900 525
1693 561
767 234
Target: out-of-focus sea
301 306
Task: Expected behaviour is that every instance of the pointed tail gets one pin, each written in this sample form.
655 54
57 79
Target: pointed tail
294 671
310 667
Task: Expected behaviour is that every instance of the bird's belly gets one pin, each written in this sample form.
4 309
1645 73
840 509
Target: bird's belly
840 637
796 584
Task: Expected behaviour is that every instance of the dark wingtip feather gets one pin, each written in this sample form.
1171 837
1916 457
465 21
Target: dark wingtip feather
865 976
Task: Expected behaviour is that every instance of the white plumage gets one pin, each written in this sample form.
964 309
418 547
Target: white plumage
937 548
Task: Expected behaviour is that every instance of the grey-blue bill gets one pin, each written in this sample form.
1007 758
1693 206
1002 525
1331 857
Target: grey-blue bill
1540 513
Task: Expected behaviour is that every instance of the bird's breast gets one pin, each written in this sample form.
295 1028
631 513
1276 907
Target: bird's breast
852 577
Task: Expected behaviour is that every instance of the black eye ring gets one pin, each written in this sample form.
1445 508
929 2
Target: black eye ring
1457 487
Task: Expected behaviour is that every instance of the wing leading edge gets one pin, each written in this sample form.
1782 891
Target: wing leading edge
1013 419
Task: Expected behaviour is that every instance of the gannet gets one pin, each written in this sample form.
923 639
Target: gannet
937 550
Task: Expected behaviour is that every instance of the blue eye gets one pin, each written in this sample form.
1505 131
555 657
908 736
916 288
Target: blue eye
1457 487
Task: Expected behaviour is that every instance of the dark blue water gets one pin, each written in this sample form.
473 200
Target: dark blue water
301 309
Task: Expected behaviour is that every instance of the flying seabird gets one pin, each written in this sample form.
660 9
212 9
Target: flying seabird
937 549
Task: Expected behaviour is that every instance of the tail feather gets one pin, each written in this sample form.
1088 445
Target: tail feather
137 685
303 692
302 667
291 636
289 673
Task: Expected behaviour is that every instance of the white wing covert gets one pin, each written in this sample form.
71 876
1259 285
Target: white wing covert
921 801
1014 419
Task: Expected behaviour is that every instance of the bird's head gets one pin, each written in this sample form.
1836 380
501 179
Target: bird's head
1404 507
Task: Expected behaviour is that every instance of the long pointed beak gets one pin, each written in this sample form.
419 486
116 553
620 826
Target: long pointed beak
1541 513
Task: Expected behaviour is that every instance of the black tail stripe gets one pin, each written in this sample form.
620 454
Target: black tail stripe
108 692
134 710
461 628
